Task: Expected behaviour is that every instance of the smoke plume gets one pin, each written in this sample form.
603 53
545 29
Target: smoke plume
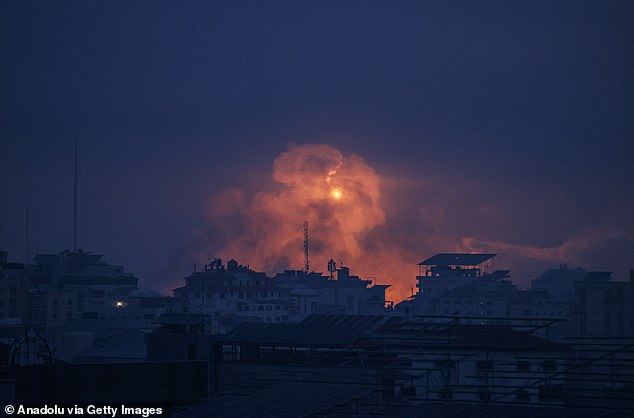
339 196
380 226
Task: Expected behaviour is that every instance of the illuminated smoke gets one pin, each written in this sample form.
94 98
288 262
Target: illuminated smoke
379 226
340 197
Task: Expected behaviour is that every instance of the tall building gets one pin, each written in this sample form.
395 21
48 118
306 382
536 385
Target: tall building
232 294
460 285
12 292
340 293
604 308
560 283
72 285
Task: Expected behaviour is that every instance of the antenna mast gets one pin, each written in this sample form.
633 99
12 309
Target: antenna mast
306 262
75 202
26 235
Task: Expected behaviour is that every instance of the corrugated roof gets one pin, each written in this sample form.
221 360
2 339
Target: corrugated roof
404 332
453 259
314 330
123 345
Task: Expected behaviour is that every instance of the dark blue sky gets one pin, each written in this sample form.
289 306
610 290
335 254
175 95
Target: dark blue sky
516 118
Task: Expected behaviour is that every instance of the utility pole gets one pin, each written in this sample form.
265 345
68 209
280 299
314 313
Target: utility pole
306 262
26 236
75 202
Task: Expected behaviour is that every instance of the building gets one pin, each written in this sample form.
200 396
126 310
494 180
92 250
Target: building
13 285
443 272
232 294
560 283
340 293
362 365
461 285
604 308
73 285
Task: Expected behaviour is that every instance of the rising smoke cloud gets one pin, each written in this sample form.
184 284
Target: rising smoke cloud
340 197
380 226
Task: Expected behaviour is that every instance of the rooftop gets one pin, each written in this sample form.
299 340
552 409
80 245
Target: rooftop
452 259
314 330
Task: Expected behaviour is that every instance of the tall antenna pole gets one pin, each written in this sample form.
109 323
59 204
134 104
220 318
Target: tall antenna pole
26 235
306 263
75 202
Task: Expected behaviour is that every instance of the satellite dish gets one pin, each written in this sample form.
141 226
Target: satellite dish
30 349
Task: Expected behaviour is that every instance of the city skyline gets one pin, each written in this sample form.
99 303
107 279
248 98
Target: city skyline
317 208
491 128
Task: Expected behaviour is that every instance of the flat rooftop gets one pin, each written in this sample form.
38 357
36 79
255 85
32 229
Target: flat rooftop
454 259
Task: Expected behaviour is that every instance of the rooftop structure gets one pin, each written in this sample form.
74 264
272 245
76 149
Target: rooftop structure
559 282
56 288
338 293
399 359
604 307
449 270
231 294
466 265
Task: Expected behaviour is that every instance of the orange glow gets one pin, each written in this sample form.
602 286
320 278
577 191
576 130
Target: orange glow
265 230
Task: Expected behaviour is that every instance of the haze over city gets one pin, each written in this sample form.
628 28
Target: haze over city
330 208
216 129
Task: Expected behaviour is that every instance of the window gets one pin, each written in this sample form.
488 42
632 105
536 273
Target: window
231 352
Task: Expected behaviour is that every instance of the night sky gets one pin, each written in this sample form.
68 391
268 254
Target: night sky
459 126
